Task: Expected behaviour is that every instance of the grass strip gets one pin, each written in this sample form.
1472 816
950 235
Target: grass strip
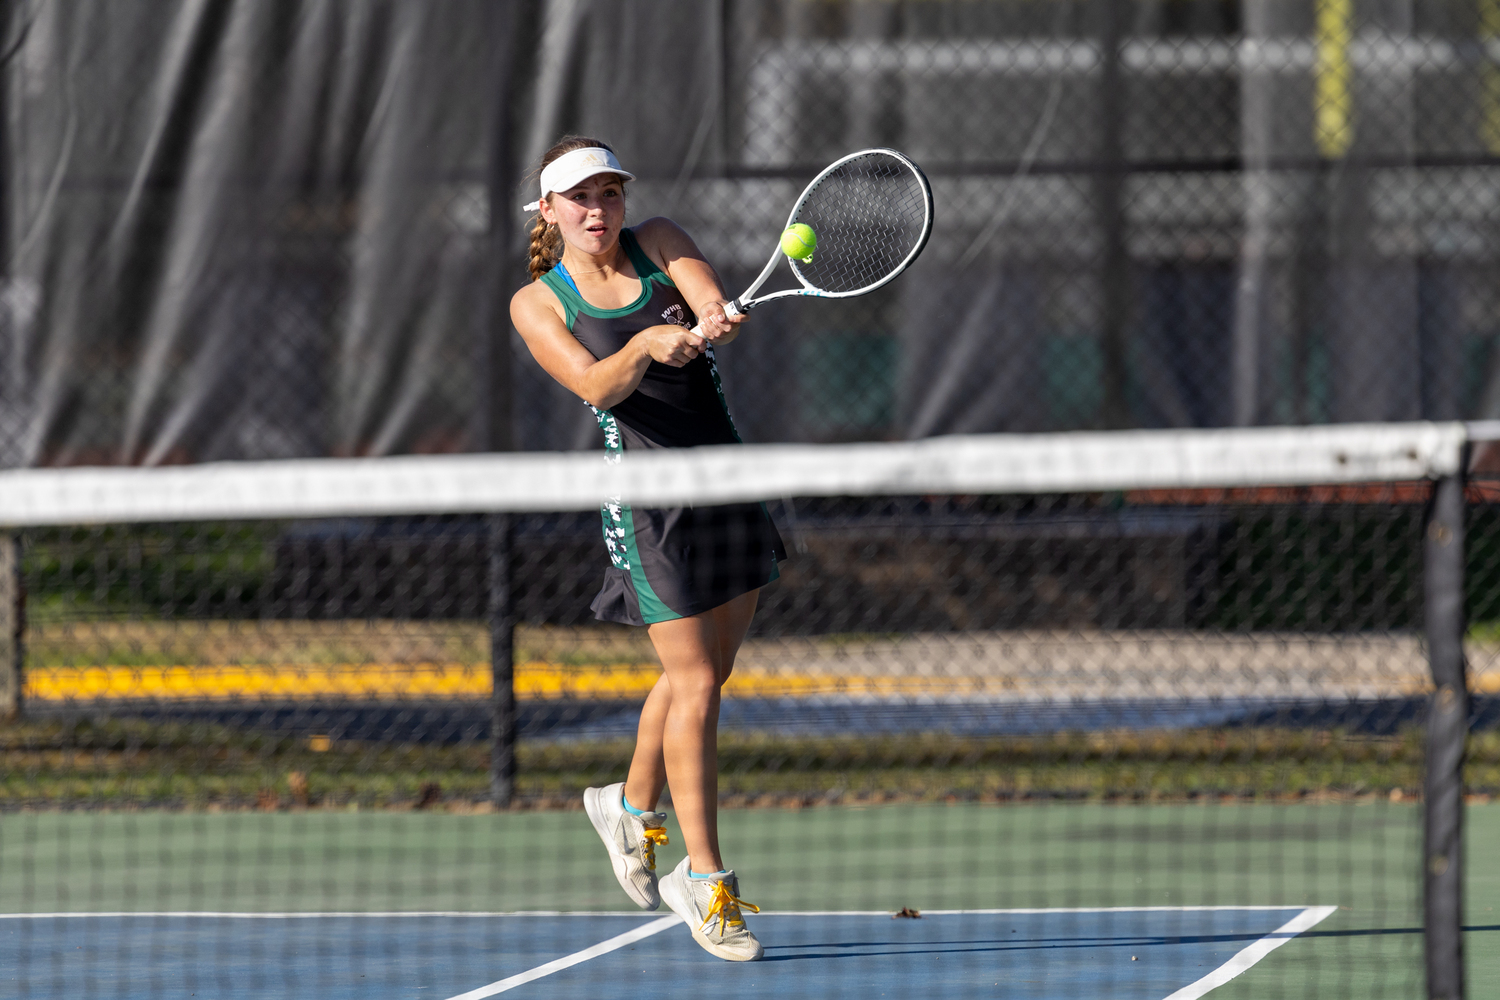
125 763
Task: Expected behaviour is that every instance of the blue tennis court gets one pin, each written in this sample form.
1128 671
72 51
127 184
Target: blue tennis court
1145 953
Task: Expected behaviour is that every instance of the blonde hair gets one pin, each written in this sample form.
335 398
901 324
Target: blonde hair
546 242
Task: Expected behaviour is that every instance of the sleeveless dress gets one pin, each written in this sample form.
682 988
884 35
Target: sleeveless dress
668 562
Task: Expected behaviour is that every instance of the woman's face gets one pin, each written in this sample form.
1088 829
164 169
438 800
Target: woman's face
591 215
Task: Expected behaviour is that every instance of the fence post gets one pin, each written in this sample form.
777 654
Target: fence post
1447 731
514 29
1109 191
502 618
12 618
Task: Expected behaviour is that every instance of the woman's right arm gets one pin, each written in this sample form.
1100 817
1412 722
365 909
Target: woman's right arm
602 382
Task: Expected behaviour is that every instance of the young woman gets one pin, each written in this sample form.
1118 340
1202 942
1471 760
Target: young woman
609 314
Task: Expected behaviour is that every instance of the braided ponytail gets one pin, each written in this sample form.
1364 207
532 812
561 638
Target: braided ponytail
546 242
546 248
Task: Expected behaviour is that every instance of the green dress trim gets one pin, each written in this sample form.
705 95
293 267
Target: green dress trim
645 269
619 532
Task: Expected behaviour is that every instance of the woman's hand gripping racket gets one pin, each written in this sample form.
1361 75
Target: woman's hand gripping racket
861 222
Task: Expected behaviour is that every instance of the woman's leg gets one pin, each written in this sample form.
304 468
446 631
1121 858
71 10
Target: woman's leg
733 621
678 735
648 770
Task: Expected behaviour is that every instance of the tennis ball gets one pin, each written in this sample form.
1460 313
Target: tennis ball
799 241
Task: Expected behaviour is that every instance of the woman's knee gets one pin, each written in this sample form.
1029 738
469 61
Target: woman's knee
695 685
693 657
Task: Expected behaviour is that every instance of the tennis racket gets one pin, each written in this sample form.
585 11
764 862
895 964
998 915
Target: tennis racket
871 212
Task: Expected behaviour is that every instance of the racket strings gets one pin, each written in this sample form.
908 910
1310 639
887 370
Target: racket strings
869 215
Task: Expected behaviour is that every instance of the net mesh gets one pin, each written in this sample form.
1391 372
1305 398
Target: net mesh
258 757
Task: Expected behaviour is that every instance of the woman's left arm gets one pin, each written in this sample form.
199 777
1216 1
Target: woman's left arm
675 252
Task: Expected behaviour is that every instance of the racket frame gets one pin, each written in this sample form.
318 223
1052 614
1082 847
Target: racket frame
746 301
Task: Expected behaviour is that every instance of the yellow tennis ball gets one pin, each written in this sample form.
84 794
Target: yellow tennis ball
799 241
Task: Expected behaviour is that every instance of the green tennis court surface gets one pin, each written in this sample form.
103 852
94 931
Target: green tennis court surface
876 859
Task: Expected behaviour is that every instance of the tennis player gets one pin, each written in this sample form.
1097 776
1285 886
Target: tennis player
608 314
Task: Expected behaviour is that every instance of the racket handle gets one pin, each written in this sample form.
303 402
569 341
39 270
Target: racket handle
732 310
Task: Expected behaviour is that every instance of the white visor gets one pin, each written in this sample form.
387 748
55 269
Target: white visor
573 168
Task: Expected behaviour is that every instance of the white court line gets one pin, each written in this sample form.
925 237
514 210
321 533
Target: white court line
1032 910
315 914
567 961
1248 956
309 914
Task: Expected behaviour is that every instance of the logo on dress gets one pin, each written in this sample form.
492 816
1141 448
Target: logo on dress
673 314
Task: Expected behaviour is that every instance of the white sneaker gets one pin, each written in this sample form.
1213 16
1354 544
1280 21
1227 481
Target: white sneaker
631 841
711 909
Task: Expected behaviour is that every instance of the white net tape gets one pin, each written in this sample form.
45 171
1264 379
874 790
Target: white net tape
997 463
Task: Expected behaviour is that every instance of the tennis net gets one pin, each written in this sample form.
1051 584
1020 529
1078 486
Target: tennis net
1138 714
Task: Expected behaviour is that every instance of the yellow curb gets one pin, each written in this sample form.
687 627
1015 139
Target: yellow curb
534 681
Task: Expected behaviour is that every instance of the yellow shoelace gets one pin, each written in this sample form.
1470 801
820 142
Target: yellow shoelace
654 835
726 906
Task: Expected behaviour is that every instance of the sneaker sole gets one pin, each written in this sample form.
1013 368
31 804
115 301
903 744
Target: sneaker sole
679 907
619 862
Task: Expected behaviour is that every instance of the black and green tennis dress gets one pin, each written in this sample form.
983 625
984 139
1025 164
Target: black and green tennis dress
668 562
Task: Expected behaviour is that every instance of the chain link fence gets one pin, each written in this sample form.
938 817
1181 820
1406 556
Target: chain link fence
991 649
271 232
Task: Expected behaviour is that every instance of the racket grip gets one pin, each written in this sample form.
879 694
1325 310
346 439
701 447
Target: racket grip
731 309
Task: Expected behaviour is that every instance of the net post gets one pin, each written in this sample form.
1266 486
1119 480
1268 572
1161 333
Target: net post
12 624
1447 732
502 621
